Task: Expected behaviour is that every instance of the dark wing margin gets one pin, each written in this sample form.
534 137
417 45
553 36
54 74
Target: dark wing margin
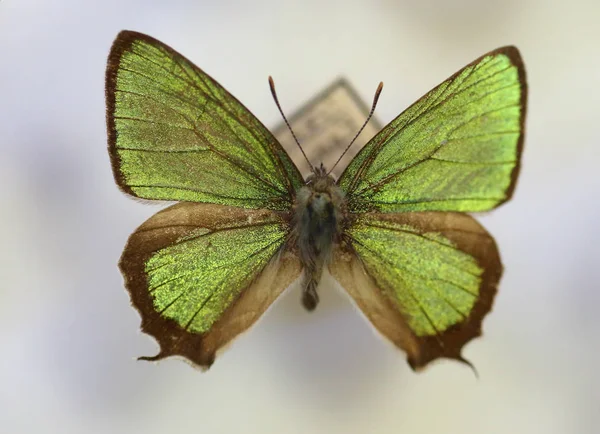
175 134
424 280
201 274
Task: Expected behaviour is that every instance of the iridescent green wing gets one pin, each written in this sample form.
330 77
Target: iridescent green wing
425 279
458 148
176 134
200 274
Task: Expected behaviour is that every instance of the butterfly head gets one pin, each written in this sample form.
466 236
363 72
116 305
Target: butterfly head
320 199
318 172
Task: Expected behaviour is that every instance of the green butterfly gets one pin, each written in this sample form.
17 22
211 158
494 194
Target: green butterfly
391 229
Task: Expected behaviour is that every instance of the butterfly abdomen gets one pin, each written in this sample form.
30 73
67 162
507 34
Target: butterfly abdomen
319 217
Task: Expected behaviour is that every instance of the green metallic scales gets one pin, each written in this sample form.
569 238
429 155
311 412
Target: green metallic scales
453 150
181 136
196 279
434 284
201 273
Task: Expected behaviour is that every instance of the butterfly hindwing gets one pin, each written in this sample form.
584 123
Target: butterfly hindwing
425 279
458 148
200 274
176 134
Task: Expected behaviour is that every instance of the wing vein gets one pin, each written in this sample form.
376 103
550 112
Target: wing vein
132 118
253 271
165 151
473 163
195 190
156 101
436 102
160 86
387 178
414 273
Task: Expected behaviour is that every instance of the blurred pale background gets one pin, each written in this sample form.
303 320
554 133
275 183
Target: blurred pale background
69 337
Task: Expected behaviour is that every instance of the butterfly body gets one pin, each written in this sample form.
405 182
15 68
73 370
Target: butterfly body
320 213
393 230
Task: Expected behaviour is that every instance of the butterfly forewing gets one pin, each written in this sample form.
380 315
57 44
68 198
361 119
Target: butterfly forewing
456 149
176 134
200 274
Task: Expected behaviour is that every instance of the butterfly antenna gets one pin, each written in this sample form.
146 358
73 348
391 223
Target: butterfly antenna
375 99
272 85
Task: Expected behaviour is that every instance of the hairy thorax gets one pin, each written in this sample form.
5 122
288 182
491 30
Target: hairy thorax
318 221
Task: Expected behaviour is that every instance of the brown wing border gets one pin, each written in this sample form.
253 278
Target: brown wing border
468 236
163 229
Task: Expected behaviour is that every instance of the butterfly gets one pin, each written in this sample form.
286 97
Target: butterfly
392 230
